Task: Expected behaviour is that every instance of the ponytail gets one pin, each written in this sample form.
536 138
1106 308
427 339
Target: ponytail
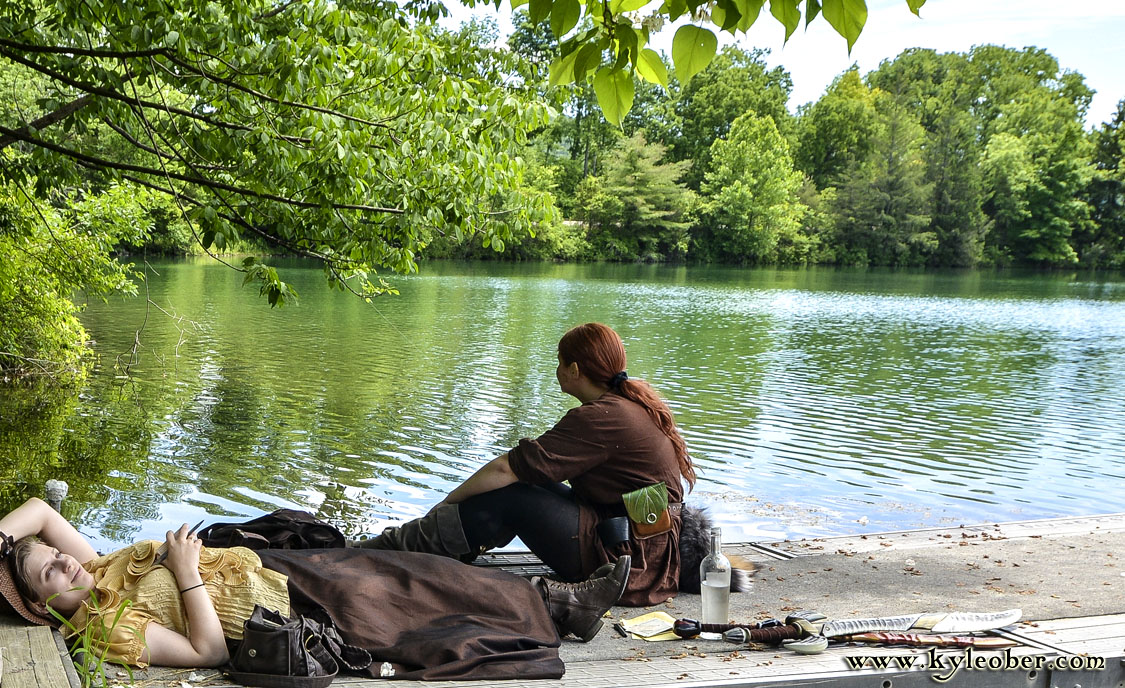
600 355
643 393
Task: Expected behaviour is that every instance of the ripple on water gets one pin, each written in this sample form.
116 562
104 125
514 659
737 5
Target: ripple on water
810 400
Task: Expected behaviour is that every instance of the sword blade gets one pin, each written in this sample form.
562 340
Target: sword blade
964 622
831 629
940 622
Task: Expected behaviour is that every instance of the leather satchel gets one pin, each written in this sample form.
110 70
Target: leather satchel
650 514
279 652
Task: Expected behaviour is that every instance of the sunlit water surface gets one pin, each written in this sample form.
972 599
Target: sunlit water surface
814 401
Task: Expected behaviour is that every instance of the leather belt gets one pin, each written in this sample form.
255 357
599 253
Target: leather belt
614 531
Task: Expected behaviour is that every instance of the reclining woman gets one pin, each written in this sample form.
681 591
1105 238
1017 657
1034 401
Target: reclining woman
622 438
397 605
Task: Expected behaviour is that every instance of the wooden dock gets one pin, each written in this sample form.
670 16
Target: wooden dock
1073 634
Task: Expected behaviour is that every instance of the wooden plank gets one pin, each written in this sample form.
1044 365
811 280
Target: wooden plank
1072 622
49 670
17 651
1079 635
68 663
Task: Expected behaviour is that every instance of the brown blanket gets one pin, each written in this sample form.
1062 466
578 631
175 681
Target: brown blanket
430 617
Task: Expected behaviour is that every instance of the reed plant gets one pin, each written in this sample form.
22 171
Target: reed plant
91 644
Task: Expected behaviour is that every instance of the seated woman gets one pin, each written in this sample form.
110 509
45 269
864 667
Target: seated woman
399 606
620 439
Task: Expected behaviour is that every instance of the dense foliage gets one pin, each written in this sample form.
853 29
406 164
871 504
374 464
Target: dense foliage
351 132
957 159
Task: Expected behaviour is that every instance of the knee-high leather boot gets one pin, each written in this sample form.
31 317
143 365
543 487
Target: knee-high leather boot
578 607
438 532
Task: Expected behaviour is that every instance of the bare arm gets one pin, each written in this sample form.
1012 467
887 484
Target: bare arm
493 475
205 645
36 517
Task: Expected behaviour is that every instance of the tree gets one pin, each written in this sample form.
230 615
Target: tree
835 133
941 91
636 208
1105 244
1036 168
735 83
331 130
881 203
45 255
751 204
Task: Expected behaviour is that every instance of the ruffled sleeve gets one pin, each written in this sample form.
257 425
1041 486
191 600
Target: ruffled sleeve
120 638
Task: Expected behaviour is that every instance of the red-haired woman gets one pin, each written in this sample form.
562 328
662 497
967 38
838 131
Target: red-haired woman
620 439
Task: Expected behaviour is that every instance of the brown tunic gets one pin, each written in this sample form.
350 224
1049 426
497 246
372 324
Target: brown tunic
607 447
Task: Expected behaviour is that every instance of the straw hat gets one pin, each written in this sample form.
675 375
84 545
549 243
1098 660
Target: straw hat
12 600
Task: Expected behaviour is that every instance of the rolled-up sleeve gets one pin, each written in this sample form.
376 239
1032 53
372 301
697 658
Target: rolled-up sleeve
567 450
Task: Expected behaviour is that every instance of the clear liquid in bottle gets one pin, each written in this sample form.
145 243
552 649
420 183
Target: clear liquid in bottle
714 576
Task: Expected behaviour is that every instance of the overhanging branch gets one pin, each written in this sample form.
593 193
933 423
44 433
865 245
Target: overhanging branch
49 119
201 181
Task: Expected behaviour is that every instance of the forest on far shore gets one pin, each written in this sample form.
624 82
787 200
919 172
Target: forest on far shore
955 159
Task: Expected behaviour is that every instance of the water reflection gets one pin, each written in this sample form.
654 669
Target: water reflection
809 398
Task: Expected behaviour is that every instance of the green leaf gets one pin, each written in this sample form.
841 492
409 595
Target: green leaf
788 13
693 48
614 89
651 68
589 56
619 6
562 69
674 9
564 16
812 8
516 4
915 5
726 15
628 43
847 17
646 504
750 9
538 10
172 38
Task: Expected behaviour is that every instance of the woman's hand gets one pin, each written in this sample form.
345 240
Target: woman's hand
183 554
204 646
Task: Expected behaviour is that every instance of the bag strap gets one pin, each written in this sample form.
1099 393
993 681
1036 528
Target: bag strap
349 656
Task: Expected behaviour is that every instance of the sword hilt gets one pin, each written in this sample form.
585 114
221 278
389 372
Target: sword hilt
798 625
690 628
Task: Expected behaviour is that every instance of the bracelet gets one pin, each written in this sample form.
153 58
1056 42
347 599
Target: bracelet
200 585
7 543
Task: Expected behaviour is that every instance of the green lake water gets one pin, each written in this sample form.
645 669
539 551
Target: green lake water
814 401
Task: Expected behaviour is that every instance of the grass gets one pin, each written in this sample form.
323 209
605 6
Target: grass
91 645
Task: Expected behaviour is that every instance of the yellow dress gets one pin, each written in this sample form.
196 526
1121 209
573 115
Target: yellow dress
126 580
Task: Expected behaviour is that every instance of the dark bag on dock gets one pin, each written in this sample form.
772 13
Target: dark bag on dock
282 529
278 652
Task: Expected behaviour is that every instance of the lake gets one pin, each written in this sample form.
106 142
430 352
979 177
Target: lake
814 401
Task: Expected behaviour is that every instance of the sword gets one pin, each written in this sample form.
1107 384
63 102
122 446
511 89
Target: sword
811 630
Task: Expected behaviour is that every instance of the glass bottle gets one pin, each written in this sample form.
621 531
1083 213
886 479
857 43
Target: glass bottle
714 578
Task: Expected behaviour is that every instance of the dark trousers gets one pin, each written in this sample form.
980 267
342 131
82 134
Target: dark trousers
545 517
